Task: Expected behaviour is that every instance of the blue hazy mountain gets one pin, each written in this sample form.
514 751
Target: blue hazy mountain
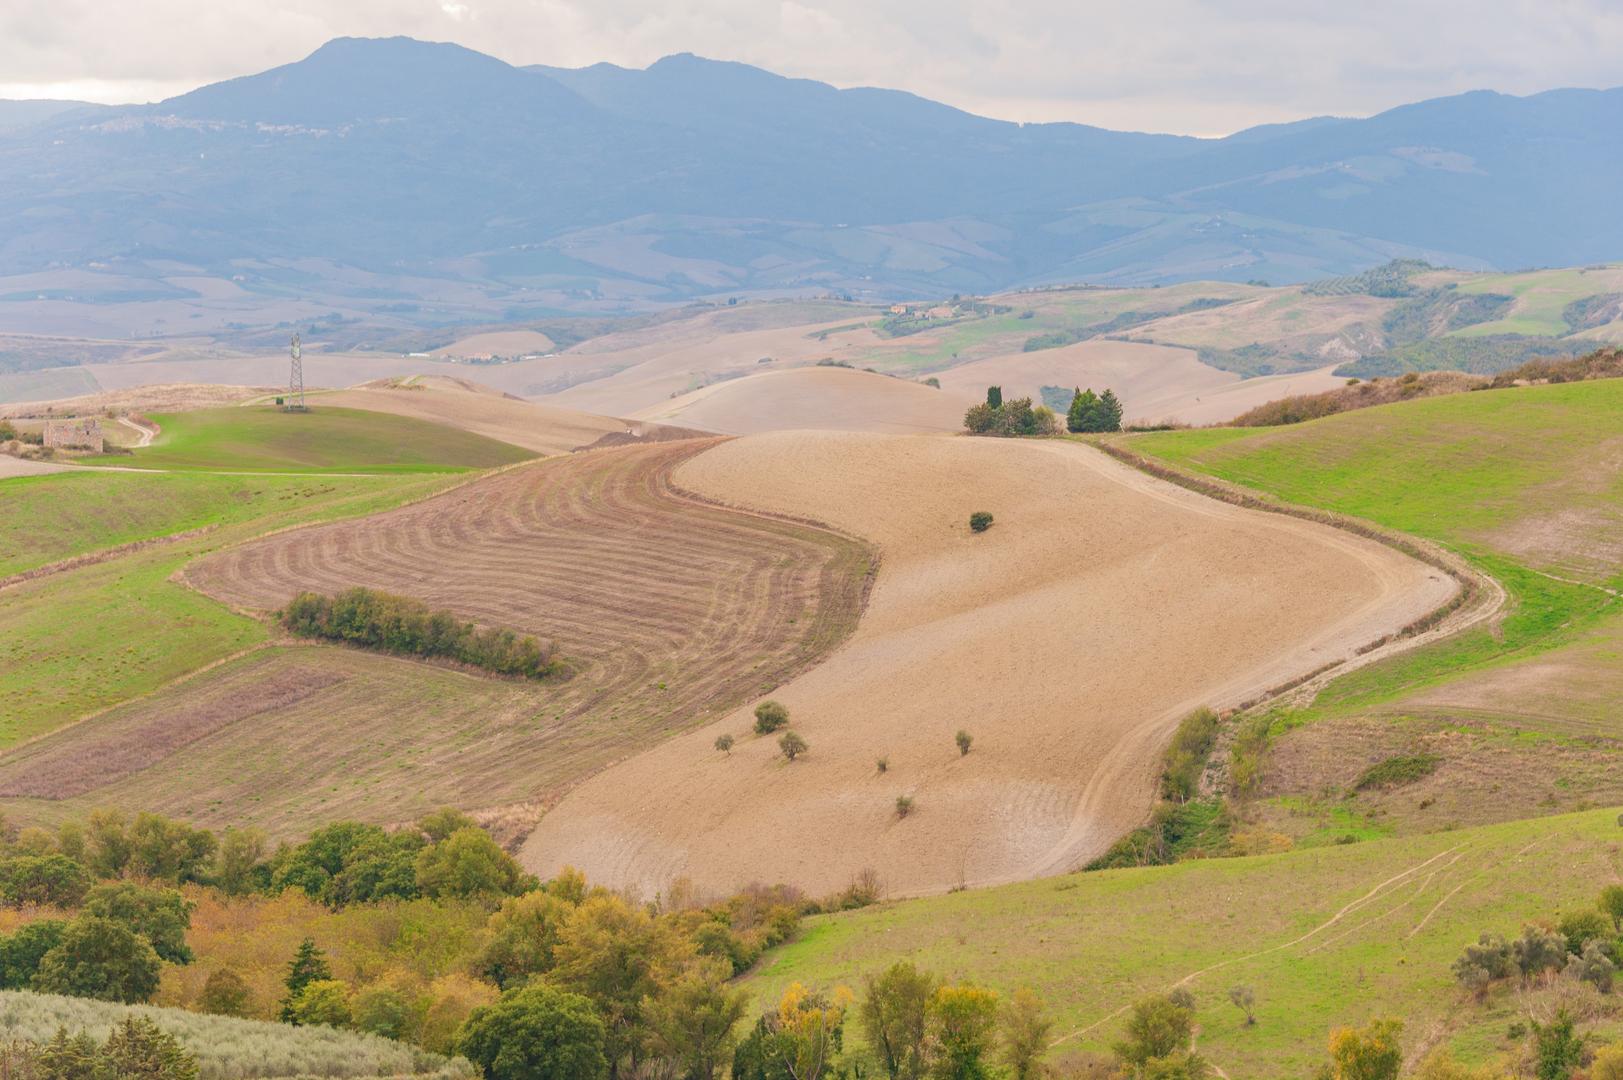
385 158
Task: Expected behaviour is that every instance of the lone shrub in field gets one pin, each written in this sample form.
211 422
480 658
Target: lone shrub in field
1372 1052
1611 902
537 1033
964 740
724 743
792 745
1245 999
980 521
882 764
904 805
769 717
399 624
1157 1027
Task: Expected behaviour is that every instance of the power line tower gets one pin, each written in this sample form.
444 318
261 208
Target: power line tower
295 381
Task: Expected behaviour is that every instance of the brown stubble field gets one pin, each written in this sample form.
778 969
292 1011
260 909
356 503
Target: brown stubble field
670 611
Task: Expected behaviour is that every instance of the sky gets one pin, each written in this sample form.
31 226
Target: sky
1184 66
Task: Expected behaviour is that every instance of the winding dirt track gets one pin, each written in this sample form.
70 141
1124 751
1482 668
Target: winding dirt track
1069 639
669 607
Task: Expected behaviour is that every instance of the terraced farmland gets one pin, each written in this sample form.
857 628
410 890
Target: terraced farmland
670 609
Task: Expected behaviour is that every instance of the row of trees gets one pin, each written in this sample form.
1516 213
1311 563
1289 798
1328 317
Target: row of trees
1090 412
407 627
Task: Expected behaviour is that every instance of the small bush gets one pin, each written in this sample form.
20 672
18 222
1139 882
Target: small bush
724 743
769 717
964 740
904 805
980 521
1397 771
882 765
1186 758
792 745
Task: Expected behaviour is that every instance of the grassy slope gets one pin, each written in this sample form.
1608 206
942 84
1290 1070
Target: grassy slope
228 1049
1090 944
81 640
55 517
1541 297
1458 469
265 439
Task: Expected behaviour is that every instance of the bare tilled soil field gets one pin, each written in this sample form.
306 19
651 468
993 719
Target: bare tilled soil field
1067 640
668 608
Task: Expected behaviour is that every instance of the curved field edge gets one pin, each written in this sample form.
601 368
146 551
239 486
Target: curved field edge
118 626
1292 926
1479 597
227 1048
892 692
235 743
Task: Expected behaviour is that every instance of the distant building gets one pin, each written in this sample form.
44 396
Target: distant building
78 434
898 309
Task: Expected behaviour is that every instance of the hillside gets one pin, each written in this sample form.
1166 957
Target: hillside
978 632
1514 719
522 193
1324 938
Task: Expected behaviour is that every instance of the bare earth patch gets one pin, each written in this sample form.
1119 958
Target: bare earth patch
816 398
1068 640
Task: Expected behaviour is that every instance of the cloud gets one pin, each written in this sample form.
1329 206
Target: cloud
1172 65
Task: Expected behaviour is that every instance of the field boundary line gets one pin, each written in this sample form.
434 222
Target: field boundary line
91 558
1480 597
178 680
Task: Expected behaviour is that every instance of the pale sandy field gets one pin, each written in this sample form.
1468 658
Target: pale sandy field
483 411
624 374
1068 640
821 398
1156 383
498 343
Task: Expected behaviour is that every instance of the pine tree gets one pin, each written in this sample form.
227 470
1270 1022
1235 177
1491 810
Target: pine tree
1083 412
1109 411
994 397
309 965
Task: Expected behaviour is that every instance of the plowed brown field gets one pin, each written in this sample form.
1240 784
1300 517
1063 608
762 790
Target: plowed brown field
1068 640
671 609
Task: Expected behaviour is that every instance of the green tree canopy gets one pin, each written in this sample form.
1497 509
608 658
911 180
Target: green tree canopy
162 916
536 1033
99 958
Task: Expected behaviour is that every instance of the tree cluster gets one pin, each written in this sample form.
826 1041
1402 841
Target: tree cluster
1009 418
407 627
1585 945
1090 412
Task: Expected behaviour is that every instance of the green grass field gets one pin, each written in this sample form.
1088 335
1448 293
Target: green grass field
55 517
1541 297
265 439
1090 944
90 637
1459 469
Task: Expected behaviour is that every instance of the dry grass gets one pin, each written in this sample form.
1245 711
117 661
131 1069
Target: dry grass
823 398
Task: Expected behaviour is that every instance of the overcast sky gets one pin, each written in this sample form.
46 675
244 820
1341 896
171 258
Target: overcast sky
1184 66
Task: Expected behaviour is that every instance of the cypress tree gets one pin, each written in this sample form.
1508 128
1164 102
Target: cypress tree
1083 414
1109 411
994 396
309 965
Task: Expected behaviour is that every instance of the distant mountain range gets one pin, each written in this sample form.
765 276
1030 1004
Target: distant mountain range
373 173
